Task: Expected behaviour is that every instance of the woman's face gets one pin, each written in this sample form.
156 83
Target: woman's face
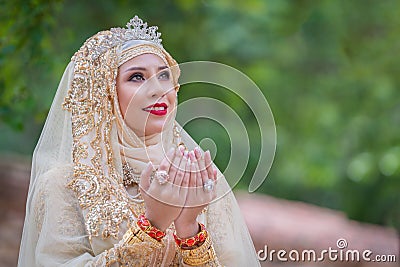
146 94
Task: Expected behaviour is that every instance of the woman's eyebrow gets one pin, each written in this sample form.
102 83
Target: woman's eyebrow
135 68
144 69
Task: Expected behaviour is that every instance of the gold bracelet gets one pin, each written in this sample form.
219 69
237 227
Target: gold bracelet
135 235
203 254
209 257
145 225
196 252
194 241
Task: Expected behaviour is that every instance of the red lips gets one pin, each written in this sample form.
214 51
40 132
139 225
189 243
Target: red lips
159 109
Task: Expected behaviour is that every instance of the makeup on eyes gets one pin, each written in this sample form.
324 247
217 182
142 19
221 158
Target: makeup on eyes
138 76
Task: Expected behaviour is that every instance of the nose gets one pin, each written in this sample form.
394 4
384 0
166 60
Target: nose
156 89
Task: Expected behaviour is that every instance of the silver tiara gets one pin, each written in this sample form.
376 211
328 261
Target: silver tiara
136 29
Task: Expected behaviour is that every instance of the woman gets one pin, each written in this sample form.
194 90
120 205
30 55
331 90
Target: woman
115 181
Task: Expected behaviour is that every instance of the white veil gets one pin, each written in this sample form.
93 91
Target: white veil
77 207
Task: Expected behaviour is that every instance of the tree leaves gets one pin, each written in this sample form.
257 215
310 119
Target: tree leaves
328 69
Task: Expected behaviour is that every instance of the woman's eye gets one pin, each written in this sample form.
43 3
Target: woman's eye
136 77
164 75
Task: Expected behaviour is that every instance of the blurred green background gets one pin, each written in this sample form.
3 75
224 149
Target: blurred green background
329 70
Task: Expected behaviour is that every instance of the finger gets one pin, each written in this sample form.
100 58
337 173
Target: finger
193 159
192 182
180 173
199 179
182 149
184 187
197 176
175 165
186 176
145 176
202 172
167 161
192 156
197 152
209 165
195 183
215 171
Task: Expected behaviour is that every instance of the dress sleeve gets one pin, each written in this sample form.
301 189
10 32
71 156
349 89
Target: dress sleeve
231 239
55 235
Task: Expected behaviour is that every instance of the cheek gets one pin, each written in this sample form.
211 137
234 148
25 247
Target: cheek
121 95
172 97
123 99
126 97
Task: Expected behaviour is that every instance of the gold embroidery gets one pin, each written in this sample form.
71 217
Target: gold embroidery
131 176
139 50
80 150
90 101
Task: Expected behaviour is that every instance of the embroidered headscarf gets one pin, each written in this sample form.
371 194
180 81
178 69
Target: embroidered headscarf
93 103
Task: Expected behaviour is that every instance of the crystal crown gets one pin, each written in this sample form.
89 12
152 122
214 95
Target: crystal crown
136 29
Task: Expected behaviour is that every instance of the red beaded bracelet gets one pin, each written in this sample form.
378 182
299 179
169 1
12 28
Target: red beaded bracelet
192 242
145 225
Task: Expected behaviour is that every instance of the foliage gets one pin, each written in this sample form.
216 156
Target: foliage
327 68
25 45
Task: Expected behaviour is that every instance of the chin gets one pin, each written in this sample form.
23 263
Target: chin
154 128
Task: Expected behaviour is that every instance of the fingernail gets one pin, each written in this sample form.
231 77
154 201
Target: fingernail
197 152
192 156
185 153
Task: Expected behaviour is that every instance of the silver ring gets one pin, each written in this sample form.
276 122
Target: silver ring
162 177
209 185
